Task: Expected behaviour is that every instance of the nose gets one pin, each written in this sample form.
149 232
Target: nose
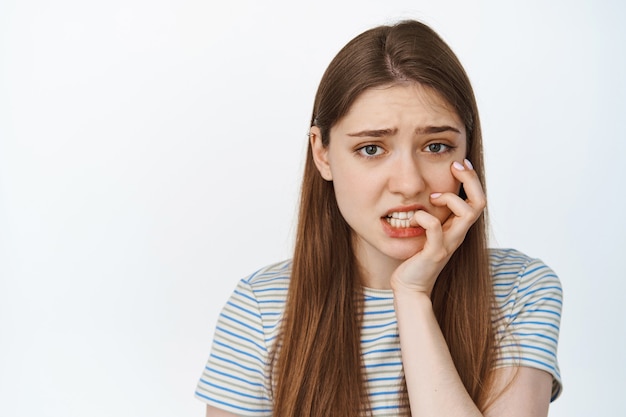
405 176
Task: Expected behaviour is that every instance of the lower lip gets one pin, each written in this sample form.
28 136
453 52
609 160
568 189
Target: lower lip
401 232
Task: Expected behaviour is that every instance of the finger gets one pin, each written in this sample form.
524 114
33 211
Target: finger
458 206
462 217
471 183
434 245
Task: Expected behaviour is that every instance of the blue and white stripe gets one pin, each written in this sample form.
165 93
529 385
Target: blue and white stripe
526 315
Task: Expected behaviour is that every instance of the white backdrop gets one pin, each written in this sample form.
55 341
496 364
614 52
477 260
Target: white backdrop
151 152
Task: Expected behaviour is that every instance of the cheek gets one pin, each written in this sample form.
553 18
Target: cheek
442 181
352 190
356 190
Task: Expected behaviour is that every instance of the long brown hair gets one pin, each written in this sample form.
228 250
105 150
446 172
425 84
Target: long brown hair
317 369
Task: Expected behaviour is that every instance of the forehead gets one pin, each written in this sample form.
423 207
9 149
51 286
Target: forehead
398 102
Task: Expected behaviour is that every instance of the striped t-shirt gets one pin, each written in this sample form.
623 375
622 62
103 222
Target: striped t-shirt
528 300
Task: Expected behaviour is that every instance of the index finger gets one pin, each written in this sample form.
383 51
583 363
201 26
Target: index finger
471 184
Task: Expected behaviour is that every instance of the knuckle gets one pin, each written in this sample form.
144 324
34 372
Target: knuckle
480 203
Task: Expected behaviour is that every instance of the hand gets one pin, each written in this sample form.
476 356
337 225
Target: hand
419 272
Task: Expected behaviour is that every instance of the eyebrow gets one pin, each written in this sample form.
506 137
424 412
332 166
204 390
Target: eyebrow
379 133
436 129
374 133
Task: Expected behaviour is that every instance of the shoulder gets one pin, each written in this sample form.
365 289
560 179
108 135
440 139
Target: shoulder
510 267
525 286
264 291
271 279
521 282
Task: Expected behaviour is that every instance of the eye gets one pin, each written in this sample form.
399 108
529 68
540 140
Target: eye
370 150
438 148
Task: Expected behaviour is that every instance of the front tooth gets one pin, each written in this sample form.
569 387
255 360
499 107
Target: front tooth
410 214
399 223
402 215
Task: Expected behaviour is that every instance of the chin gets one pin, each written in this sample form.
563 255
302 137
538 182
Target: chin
404 251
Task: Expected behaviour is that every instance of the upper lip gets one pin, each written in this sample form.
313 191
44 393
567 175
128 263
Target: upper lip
413 207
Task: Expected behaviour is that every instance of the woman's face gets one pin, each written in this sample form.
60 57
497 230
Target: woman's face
386 156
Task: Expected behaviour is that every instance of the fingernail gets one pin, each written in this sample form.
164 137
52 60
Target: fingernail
469 164
435 195
458 166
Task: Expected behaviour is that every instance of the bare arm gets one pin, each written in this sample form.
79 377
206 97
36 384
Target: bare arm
434 386
216 412
528 394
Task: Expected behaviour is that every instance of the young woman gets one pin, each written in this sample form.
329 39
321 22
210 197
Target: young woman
392 304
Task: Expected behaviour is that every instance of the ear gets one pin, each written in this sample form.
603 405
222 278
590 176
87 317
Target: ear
320 153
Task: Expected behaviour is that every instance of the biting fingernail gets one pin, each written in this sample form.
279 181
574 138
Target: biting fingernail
468 164
458 166
435 195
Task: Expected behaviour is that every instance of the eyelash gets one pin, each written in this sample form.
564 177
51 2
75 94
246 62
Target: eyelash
448 148
362 152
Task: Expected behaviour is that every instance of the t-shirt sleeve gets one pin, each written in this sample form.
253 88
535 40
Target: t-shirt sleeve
532 300
234 378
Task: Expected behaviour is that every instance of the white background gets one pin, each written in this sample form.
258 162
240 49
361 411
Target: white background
151 153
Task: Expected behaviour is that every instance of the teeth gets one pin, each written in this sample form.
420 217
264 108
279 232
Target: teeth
402 214
400 219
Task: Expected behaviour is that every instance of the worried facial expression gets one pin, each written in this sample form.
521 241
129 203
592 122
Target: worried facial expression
386 156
